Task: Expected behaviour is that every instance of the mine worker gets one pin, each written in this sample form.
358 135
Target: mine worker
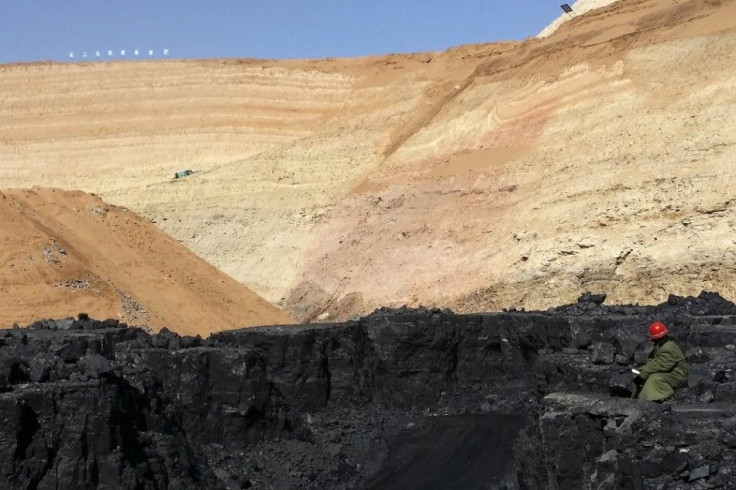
666 370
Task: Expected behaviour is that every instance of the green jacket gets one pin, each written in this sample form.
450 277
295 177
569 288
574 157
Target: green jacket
666 358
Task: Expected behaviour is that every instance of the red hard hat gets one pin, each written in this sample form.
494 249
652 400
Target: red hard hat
657 330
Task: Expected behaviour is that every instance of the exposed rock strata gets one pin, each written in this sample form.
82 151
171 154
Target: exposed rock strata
356 405
520 173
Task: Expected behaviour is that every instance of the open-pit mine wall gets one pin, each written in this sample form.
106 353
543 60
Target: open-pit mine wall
272 146
399 399
599 157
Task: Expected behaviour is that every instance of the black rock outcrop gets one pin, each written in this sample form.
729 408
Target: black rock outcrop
403 398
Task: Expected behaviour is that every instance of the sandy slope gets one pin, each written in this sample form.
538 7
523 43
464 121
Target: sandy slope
580 7
67 252
510 174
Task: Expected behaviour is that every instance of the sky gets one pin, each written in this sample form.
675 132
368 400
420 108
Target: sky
35 30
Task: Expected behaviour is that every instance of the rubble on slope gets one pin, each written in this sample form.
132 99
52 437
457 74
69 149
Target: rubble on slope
706 303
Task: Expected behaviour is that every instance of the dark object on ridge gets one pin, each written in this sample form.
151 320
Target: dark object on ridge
589 297
706 303
183 173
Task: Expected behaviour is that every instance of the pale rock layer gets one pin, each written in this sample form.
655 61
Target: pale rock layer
510 174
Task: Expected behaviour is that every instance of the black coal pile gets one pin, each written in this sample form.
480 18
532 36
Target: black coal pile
403 398
706 303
